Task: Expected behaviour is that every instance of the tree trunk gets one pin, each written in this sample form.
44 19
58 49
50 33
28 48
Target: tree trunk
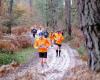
68 15
30 3
10 16
10 7
52 14
0 7
89 16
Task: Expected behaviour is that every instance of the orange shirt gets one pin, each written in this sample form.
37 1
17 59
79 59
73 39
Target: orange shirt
42 44
51 36
58 38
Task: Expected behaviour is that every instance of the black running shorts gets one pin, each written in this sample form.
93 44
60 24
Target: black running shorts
58 44
43 54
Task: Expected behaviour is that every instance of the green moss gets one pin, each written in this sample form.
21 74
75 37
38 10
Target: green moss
24 55
21 56
5 58
81 50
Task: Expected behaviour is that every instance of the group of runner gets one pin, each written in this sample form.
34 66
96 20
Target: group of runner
44 39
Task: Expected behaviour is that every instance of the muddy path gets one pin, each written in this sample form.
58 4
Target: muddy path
55 69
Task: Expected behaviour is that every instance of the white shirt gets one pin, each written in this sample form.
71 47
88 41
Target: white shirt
39 31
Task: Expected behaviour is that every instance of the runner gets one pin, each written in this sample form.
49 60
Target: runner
58 41
51 37
34 31
42 45
39 31
46 34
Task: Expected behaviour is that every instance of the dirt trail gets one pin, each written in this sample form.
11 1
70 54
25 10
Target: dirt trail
55 69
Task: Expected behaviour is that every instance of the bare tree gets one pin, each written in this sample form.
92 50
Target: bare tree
68 15
0 7
11 7
30 3
52 13
89 17
10 16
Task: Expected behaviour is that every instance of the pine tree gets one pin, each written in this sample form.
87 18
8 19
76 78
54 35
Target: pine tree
89 15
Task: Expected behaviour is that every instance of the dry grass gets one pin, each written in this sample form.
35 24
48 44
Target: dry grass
5 69
82 72
15 43
24 41
7 45
20 30
78 38
78 43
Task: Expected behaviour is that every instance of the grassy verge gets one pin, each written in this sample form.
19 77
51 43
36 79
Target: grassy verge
81 50
21 56
83 53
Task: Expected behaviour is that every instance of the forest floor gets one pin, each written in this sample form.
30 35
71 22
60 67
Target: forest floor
67 67
55 69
